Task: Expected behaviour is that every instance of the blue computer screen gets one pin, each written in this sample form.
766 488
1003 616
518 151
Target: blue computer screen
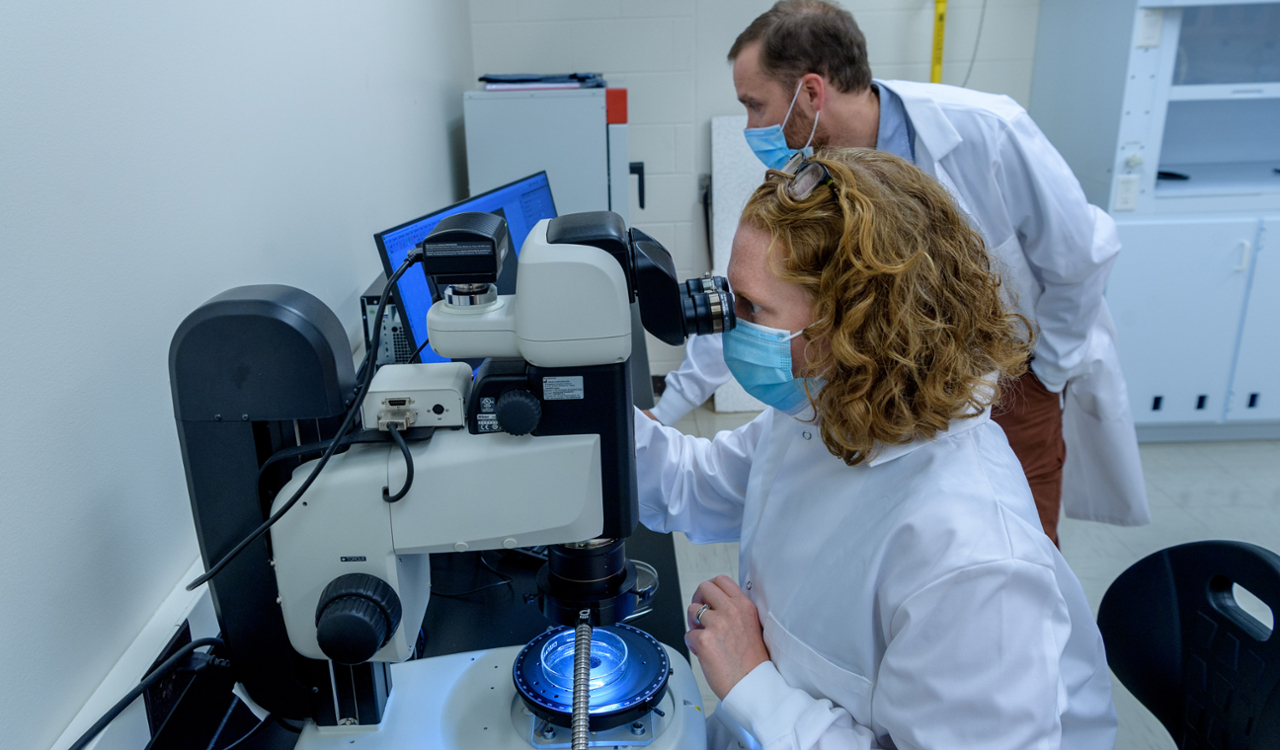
522 203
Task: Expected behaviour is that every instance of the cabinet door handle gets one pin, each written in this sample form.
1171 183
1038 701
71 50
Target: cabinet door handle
1245 246
637 168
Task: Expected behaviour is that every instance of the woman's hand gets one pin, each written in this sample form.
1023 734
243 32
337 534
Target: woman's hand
729 641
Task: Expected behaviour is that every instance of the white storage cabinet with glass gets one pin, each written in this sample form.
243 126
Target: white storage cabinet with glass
1169 114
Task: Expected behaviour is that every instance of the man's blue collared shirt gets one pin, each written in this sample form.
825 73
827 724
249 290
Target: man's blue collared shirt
896 134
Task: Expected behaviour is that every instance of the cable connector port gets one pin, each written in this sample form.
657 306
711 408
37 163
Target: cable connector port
398 413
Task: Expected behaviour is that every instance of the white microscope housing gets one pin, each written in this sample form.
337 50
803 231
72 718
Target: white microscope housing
535 450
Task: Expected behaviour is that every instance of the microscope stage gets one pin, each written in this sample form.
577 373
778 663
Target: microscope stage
629 671
468 700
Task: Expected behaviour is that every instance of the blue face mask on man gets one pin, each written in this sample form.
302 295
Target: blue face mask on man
770 145
760 359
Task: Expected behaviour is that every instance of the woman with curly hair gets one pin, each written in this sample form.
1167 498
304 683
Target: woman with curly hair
896 587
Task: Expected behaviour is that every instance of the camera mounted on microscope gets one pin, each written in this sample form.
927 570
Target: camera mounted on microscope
464 254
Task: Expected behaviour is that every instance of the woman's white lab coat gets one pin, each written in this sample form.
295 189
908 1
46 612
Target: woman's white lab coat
1054 252
909 602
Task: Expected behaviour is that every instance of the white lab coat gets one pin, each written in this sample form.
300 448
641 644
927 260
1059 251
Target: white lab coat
909 602
1054 253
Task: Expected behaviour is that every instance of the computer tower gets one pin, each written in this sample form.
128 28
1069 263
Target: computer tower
394 346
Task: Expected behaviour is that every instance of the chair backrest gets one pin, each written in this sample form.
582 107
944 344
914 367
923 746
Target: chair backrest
1178 640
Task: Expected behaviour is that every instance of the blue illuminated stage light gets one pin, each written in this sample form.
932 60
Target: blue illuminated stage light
629 671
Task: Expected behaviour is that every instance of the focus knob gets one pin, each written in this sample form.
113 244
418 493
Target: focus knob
357 615
518 412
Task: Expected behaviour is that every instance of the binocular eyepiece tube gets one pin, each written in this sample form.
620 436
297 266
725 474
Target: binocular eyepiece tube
707 305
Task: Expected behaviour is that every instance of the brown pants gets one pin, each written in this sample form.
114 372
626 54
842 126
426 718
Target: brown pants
1031 418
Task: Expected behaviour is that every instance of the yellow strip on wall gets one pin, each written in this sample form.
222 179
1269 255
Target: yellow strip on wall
939 31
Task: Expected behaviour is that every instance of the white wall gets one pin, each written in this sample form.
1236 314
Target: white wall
151 156
670 55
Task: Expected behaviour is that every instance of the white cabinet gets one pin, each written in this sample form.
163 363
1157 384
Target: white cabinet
1255 390
1177 294
1167 112
578 136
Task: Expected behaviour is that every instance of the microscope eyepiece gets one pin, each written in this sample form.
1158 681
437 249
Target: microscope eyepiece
673 311
707 306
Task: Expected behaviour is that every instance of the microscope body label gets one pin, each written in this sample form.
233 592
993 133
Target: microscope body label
563 388
487 423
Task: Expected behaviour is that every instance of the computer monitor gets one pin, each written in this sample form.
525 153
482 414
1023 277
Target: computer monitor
522 203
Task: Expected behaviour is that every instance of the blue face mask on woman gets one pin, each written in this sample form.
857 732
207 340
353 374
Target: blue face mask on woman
770 145
760 359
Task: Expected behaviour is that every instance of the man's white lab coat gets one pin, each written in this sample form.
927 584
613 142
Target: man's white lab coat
1054 253
909 602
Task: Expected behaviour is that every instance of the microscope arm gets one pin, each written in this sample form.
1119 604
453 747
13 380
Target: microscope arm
474 492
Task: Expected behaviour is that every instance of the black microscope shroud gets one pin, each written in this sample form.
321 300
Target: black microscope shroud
629 672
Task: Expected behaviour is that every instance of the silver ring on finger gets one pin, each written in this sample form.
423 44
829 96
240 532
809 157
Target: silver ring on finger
698 617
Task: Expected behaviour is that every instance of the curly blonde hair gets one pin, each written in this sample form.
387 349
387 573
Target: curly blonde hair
909 319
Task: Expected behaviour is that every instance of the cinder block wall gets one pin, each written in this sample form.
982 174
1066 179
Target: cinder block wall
154 155
670 55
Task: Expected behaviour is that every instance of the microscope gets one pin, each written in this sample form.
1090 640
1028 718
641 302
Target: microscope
535 449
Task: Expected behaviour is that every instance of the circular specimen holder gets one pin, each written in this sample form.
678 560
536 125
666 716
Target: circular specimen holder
629 672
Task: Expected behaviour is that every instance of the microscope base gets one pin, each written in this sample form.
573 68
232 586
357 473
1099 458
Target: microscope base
468 700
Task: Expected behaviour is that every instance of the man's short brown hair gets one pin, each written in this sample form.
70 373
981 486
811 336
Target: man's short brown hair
798 37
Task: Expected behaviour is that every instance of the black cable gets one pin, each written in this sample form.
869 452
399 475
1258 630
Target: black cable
408 467
706 210
982 18
412 258
289 727
252 732
530 552
151 679
413 434
364 363
494 570
506 581
476 590
421 346
419 646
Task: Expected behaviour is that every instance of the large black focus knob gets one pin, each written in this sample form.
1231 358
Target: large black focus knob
357 615
518 412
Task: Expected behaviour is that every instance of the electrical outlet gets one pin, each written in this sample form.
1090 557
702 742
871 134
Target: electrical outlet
1126 198
1150 25
163 696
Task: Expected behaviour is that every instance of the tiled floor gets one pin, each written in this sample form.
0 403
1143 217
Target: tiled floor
1221 490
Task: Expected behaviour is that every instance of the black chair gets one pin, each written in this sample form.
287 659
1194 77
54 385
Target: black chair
1177 639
